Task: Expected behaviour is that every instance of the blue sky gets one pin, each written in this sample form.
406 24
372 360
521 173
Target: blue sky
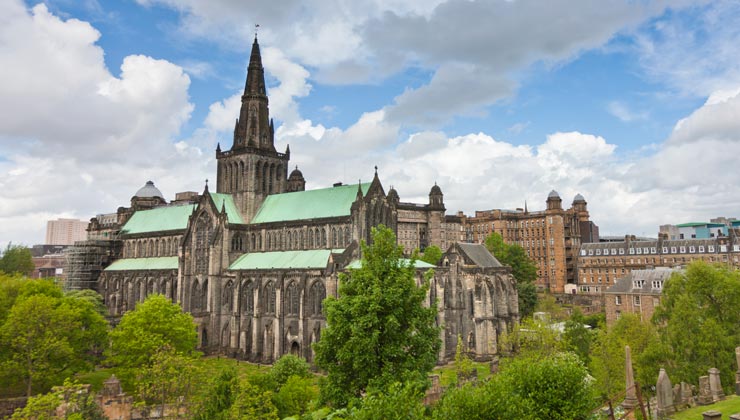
497 101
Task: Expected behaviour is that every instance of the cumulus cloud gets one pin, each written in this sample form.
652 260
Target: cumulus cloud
76 138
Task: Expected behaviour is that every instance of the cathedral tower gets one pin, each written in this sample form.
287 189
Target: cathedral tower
252 169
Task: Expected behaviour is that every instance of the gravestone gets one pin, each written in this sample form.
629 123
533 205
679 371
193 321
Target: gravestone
712 415
705 395
715 386
630 397
664 394
687 395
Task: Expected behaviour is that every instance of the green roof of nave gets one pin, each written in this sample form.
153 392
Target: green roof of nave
311 204
227 201
314 258
159 219
356 264
156 263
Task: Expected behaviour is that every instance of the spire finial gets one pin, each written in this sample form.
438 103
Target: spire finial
376 169
256 29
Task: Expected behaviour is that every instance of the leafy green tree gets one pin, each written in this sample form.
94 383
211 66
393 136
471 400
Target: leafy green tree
93 297
219 396
699 322
10 288
295 396
463 365
532 337
47 338
432 254
154 324
578 337
252 403
74 400
401 401
607 354
379 331
287 366
17 259
170 378
523 268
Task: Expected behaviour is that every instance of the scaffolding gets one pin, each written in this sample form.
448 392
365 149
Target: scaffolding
85 260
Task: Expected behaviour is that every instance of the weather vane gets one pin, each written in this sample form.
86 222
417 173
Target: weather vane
256 29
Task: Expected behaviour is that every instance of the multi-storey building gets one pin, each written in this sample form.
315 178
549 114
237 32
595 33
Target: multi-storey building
551 237
601 264
65 231
637 293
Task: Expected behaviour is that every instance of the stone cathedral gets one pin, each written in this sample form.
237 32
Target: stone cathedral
254 260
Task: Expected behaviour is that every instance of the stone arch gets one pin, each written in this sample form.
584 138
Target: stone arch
204 337
241 175
265 174
300 240
227 297
323 237
290 240
295 348
270 179
346 236
310 238
225 336
194 297
258 176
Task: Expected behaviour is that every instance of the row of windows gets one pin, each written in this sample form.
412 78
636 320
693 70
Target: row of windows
144 248
692 249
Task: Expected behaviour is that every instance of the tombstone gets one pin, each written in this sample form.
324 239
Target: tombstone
737 374
735 416
712 415
664 394
687 395
630 397
676 395
715 386
493 366
112 387
705 395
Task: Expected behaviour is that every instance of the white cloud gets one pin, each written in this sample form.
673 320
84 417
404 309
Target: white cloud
624 113
77 140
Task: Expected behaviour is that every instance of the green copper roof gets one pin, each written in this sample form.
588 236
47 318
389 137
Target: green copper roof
312 204
315 258
227 201
157 263
159 219
419 264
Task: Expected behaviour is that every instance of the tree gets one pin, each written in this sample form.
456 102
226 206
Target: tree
46 338
532 337
154 324
398 401
294 396
17 259
253 403
93 297
219 397
69 401
379 331
699 322
432 254
577 337
607 354
171 377
523 269
287 366
463 365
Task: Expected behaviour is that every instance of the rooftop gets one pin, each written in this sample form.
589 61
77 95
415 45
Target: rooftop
311 204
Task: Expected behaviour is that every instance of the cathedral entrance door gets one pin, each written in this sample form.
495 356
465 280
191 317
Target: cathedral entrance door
295 349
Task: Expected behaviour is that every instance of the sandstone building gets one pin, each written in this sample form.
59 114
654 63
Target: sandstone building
254 260
551 237
637 293
599 265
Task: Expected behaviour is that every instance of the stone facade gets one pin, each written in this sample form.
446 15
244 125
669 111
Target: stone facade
550 237
599 265
636 293
253 261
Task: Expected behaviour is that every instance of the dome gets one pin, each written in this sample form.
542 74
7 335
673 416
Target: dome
296 174
579 199
435 190
553 194
149 190
392 194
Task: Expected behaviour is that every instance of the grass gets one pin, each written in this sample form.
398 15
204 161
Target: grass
731 405
448 375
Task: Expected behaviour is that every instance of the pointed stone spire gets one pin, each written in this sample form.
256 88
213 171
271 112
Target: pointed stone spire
223 207
525 207
359 190
218 147
256 73
630 397
287 152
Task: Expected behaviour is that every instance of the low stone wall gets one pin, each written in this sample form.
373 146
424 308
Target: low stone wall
9 405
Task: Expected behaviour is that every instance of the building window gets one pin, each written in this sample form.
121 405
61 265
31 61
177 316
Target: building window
665 249
692 249
683 249
673 250
632 251
636 300
653 250
618 299
621 251
710 248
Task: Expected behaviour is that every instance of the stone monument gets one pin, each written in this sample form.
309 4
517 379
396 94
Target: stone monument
715 385
705 395
664 394
630 396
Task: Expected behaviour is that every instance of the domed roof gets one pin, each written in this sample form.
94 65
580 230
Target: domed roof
579 199
392 193
553 194
149 190
296 174
435 190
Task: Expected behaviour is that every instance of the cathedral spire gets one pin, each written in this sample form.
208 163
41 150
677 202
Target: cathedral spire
255 72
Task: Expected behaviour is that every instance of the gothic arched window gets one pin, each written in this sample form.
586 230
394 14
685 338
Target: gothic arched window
202 243
316 297
292 299
268 298
227 297
247 298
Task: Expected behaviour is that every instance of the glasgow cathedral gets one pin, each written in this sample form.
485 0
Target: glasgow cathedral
254 260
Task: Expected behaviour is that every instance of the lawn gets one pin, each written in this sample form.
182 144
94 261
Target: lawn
729 406
448 376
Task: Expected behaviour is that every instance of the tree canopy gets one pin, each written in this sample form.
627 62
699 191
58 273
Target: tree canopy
47 336
523 269
379 330
432 254
154 324
699 322
16 259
